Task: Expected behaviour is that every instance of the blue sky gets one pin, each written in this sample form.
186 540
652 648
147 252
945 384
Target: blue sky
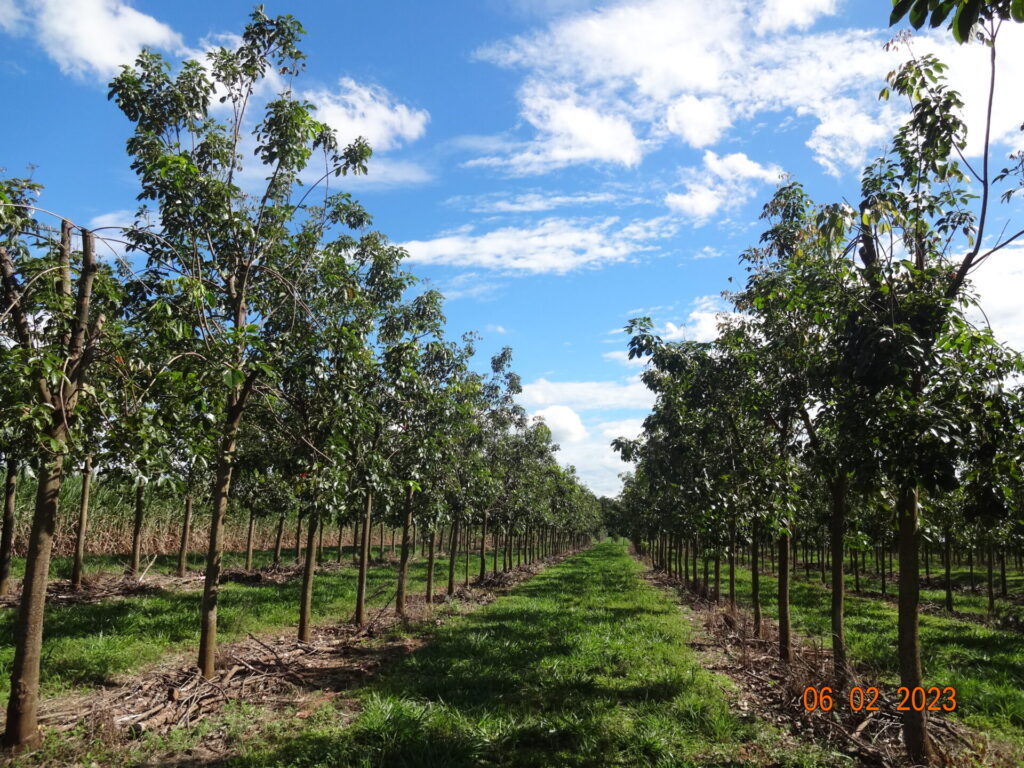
553 166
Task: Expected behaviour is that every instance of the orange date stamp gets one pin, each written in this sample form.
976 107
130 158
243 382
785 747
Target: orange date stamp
933 699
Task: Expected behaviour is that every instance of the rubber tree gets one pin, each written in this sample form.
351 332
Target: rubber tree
228 255
59 323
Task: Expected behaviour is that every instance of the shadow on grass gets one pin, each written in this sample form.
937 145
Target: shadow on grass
583 665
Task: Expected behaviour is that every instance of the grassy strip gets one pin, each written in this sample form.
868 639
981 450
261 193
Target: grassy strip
90 644
585 664
986 666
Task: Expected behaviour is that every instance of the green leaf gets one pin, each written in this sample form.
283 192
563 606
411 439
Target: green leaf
1017 10
233 378
900 8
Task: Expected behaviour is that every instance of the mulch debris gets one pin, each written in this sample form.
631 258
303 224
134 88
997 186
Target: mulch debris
773 691
276 671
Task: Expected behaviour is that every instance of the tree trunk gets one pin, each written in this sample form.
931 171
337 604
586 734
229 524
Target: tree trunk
837 527
403 563
7 533
364 561
83 526
140 511
431 542
949 575
483 548
915 725
755 577
186 532
298 538
279 539
785 625
211 582
248 541
22 729
308 570
453 555
991 581
341 542
732 563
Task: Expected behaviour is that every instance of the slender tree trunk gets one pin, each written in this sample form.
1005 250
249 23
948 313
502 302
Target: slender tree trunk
279 539
483 548
453 555
298 538
839 486
22 729
140 511
211 582
991 582
403 564
468 537
732 562
949 575
364 561
755 576
249 541
186 533
494 553
308 570
431 543
915 724
718 575
357 540
785 625
7 533
341 542
1002 572
83 526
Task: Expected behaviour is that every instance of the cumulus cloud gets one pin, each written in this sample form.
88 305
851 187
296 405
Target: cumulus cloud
721 183
565 424
587 395
570 131
89 38
646 71
700 325
357 109
777 15
554 245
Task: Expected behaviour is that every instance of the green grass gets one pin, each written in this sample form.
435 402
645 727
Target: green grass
985 665
583 665
92 644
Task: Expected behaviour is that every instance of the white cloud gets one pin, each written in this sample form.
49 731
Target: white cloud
95 37
722 183
499 329
10 16
707 252
553 245
587 395
530 202
700 325
597 464
667 68
998 282
355 109
570 132
699 122
564 423
777 15
388 172
470 285
621 356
